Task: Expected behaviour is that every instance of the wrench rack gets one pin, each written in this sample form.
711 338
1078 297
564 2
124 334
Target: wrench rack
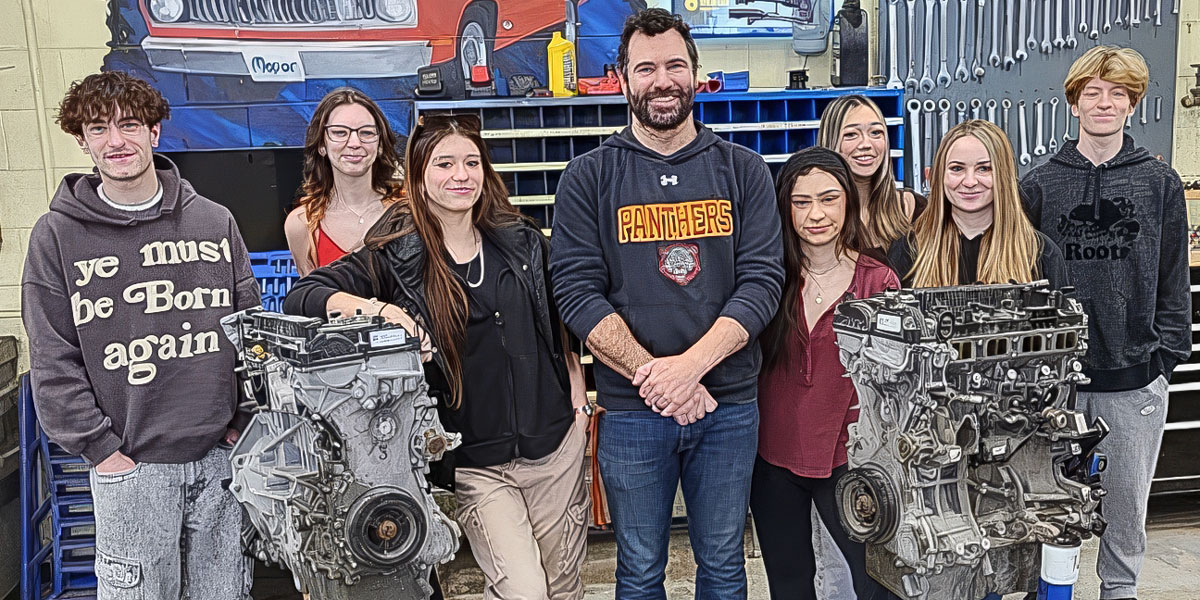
967 50
532 140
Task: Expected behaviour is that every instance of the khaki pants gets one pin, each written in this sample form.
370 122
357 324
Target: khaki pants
526 521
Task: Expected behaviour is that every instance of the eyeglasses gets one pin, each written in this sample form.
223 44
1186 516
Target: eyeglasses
341 133
468 122
126 128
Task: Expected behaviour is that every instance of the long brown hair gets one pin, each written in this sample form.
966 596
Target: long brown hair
1014 255
885 205
444 296
795 262
317 188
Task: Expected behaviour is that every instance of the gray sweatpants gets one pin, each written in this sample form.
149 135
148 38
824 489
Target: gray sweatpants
166 532
1137 418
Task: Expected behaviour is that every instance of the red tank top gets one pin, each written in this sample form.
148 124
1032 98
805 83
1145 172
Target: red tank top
327 249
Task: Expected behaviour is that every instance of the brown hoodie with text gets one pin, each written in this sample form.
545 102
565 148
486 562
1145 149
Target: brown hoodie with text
123 314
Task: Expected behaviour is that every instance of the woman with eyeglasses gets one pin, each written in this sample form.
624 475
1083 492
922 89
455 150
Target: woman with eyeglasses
975 229
351 175
854 127
456 265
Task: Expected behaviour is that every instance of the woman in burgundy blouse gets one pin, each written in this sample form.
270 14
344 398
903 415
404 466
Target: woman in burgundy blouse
804 401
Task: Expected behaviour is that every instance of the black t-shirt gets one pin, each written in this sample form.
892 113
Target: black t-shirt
502 359
1051 265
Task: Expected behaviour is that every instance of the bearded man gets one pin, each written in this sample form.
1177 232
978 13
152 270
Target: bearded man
667 260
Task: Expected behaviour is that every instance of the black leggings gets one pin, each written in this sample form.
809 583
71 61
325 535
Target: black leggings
781 503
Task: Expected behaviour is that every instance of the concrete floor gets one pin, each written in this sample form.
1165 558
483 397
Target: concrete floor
1171 570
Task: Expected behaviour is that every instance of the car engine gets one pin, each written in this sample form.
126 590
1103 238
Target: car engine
968 454
331 470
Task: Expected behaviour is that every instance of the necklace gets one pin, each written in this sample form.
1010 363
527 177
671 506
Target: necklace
812 276
352 211
471 263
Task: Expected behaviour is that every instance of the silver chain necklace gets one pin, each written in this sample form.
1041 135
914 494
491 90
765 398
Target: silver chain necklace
482 265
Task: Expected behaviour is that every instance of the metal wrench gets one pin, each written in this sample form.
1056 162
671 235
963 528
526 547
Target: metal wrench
960 71
910 82
1031 41
1053 145
914 144
1158 108
927 84
927 107
997 34
1059 41
991 108
1107 27
1158 13
944 107
1066 136
1009 61
1146 15
893 81
1117 18
943 76
1021 54
960 112
1071 41
1006 104
976 104
1134 21
1024 135
1039 118
1142 118
1083 13
977 65
1047 47
1095 26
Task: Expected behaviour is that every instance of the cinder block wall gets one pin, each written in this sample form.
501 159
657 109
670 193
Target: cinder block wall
46 44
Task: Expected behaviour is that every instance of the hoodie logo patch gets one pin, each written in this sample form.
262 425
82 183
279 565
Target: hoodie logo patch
672 180
679 262
1104 230
674 222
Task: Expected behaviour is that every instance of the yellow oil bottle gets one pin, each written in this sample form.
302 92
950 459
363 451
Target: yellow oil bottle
560 63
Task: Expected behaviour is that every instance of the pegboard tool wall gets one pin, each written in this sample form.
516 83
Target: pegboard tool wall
1031 73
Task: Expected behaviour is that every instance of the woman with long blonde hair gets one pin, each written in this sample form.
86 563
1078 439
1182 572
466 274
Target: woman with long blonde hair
975 229
854 127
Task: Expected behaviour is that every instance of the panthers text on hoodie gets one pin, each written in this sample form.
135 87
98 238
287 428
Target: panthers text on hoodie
669 243
1122 228
123 313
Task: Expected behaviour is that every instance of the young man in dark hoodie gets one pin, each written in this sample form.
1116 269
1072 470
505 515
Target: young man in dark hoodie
667 259
125 282
1118 215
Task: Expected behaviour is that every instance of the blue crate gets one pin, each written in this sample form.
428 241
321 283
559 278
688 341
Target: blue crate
275 272
54 486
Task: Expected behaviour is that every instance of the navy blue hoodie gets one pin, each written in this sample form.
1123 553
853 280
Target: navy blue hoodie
1122 227
669 243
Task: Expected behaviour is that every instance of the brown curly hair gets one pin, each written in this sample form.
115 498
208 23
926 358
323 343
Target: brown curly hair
100 96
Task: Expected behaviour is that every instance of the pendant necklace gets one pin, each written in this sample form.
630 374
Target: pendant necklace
812 276
352 211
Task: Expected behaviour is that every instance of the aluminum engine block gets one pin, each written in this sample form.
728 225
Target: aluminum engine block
968 453
332 469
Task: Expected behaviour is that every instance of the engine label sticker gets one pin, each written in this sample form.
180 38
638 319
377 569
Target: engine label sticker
386 338
889 323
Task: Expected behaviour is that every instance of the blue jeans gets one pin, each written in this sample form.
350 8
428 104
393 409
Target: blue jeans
643 458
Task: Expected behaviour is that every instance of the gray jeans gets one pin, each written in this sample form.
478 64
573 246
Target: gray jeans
166 532
1137 418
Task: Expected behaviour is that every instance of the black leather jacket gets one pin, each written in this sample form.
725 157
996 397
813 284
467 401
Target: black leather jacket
394 273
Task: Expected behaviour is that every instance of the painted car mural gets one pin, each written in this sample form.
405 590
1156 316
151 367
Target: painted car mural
245 74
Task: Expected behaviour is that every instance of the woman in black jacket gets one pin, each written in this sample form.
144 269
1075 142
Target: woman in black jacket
456 265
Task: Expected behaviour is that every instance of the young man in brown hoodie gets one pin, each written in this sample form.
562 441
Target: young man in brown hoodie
125 282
